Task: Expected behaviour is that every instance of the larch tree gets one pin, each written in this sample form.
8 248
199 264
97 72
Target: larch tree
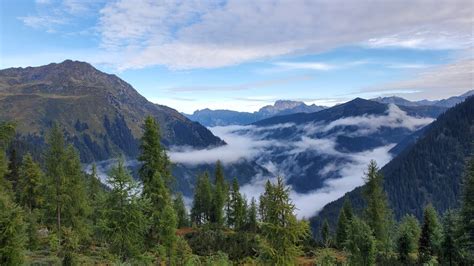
30 185
236 211
325 233
467 214
252 222
219 196
125 223
431 236
361 243
156 177
202 203
377 213
282 234
181 212
407 239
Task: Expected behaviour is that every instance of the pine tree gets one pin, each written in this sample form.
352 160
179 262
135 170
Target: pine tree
12 230
13 174
325 233
342 229
168 225
347 207
181 212
282 233
55 156
152 156
156 176
361 243
219 196
12 225
449 245
407 239
252 223
202 203
236 212
467 215
430 239
265 203
125 223
30 193
66 187
96 195
377 214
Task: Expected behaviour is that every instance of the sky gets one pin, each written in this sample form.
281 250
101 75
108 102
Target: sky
244 54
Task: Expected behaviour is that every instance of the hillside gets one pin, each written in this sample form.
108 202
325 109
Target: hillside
100 113
447 103
428 171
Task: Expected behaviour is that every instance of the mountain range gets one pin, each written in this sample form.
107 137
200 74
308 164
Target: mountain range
429 171
100 113
212 118
449 102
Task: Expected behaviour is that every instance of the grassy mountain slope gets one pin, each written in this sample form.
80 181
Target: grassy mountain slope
100 113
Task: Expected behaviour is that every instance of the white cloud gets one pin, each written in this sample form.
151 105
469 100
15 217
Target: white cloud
305 65
395 118
194 34
435 82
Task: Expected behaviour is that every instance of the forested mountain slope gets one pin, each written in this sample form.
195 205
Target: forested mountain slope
429 171
101 113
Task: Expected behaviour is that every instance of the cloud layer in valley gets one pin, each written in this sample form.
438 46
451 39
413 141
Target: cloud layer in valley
258 144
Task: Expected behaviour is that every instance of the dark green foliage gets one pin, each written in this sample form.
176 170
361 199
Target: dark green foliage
252 223
282 233
377 213
467 214
153 157
219 196
430 239
431 170
202 203
125 223
30 186
326 234
361 243
407 239
236 211
181 212
12 230
450 243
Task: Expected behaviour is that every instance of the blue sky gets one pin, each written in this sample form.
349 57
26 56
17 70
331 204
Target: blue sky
242 54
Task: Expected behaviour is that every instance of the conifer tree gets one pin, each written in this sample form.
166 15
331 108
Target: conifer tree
449 245
219 196
168 225
265 201
430 239
347 207
12 230
156 176
96 195
377 213
153 157
7 130
30 193
467 215
66 187
252 223
13 174
236 212
325 233
55 157
125 223
407 239
181 212
202 203
282 233
342 229
361 243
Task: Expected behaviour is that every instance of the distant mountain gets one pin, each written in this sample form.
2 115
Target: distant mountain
100 113
447 103
212 118
428 171
309 149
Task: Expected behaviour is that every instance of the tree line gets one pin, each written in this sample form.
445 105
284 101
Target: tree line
54 213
